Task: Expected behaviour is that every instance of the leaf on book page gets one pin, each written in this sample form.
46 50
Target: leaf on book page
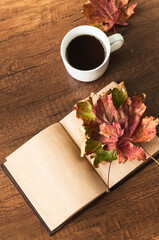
113 124
146 130
84 111
92 146
118 97
104 156
130 152
104 14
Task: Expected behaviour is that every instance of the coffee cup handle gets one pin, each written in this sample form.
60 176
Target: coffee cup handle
116 41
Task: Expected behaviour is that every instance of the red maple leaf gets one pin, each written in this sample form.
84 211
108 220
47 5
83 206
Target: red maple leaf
118 126
113 124
104 14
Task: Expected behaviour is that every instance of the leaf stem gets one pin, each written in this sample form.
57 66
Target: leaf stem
127 46
109 168
125 43
114 29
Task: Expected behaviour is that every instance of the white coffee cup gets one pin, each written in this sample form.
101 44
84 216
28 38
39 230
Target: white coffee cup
111 44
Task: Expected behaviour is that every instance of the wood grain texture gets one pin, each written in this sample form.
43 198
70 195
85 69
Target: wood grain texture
36 91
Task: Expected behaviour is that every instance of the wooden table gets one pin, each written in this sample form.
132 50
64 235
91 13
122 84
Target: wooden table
36 91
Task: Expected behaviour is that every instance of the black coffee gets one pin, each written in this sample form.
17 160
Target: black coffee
85 52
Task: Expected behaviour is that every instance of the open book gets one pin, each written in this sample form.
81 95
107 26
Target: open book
52 177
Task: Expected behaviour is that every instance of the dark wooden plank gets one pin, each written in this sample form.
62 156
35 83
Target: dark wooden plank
36 91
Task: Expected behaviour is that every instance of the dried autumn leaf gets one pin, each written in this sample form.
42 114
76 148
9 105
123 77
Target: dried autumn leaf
118 97
145 130
130 152
104 156
114 124
104 110
92 146
111 132
84 111
104 14
118 126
